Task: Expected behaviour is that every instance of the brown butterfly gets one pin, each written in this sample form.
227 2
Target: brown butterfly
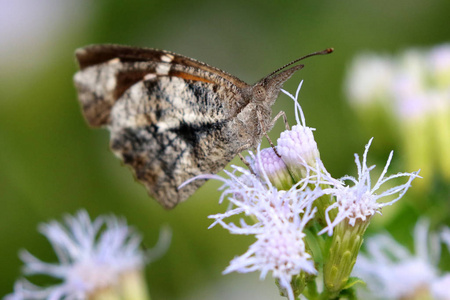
172 117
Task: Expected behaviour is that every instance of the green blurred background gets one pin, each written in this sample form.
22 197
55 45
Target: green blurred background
51 163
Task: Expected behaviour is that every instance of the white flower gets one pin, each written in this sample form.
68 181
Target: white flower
439 59
92 256
360 201
445 236
392 272
413 85
298 149
411 95
279 217
369 79
411 92
279 248
273 166
255 196
440 288
297 146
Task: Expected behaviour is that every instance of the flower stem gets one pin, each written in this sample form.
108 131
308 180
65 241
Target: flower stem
344 249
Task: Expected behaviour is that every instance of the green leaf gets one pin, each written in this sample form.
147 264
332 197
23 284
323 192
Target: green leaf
353 281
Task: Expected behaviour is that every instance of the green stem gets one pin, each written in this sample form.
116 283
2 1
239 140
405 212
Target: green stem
311 292
344 249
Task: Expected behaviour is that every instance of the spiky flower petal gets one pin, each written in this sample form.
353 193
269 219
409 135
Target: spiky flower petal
94 256
361 201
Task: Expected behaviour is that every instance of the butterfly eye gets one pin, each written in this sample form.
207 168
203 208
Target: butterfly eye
259 93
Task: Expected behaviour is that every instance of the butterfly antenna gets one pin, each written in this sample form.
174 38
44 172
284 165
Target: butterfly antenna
323 52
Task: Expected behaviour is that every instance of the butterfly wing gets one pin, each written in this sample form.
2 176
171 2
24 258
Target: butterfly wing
169 115
98 54
107 71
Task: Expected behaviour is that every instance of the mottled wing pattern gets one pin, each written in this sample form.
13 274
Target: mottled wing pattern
169 115
171 136
107 71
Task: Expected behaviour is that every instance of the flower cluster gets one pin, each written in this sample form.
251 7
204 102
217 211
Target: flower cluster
96 259
286 194
278 219
409 93
393 272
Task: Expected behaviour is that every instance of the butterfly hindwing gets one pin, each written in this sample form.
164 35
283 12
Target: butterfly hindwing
170 130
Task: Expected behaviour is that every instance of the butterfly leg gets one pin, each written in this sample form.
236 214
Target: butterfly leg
246 163
271 143
279 115
265 133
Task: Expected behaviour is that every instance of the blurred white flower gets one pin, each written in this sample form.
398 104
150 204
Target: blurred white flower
445 236
439 60
404 83
92 256
409 93
409 86
440 288
391 271
361 201
369 79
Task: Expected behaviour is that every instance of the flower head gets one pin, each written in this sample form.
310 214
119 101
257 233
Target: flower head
297 146
298 149
439 60
279 217
393 272
439 287
274 167
279 248
254 196
361 201
369 79
92 256
408 92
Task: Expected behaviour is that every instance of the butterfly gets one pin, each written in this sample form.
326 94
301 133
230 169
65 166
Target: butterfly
172 117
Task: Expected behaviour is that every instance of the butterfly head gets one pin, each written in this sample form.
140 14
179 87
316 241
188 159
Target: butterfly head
267 89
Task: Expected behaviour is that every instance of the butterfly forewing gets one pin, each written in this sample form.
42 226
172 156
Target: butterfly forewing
168 121
98 54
